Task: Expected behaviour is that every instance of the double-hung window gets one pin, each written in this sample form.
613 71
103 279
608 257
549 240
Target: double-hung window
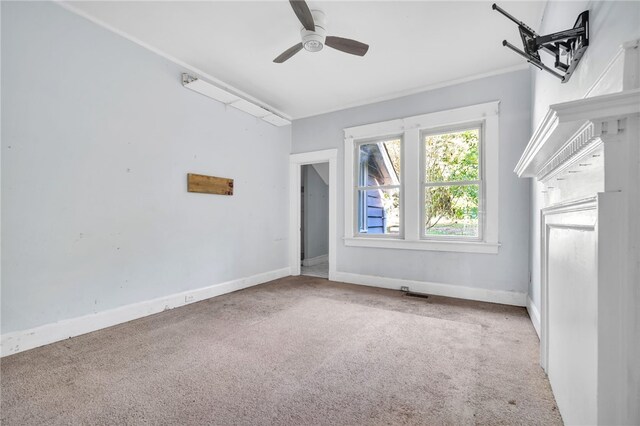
451 167
378 187
427 182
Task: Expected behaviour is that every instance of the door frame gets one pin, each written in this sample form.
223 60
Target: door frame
296 161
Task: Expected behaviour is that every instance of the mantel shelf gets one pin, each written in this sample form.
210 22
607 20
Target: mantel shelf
571 126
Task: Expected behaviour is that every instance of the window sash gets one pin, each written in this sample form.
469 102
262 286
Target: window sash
479 126
358 213
358 169
481 215
443 130
453 183
358 178
374 187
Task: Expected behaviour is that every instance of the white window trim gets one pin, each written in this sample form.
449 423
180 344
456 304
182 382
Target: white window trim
411 128
354 190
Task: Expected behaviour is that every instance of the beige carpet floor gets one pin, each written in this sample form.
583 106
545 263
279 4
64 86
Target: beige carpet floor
295 351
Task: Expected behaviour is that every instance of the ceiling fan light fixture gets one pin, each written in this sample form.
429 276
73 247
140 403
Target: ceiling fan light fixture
313 41
313 45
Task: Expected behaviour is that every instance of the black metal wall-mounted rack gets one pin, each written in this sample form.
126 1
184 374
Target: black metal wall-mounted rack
566 46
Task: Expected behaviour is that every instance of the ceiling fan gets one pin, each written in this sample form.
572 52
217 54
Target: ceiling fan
314 36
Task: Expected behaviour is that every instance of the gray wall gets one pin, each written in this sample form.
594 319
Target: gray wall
97 138
507 270
316 214
610 25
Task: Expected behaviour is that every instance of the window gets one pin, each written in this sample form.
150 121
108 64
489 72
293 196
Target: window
378 188
452 183
428 182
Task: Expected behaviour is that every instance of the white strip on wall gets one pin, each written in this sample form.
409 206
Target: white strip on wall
23 340
437 289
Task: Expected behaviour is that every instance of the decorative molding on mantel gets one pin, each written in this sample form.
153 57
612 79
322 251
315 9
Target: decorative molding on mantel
569 127
583 204
584 137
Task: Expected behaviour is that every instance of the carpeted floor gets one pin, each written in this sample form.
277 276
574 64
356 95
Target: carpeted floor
297 351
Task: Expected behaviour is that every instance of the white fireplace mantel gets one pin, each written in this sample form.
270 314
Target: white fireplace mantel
569 127
585 159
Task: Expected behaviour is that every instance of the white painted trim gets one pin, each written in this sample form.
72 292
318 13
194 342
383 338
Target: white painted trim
412 207
296 161
546 224
221 84
534 315
23 340
410 127
315 260
377 130
414 91
436 119
350 184
428 245
437 289
312 157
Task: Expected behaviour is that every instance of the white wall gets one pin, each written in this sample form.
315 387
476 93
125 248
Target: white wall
97 138
611 24
316 213
506 271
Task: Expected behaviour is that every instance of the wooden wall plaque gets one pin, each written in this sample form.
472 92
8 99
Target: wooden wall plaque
209 184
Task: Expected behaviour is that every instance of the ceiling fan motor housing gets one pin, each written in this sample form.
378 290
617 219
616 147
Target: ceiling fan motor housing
313 41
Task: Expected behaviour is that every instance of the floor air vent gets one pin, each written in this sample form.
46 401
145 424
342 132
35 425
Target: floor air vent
420 295
409 293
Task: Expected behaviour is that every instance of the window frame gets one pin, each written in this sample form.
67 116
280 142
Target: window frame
356 188
412 179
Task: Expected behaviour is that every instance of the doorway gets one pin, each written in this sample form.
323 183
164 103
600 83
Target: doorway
314 220
312 229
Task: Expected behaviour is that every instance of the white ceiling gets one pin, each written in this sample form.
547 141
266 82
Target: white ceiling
414 45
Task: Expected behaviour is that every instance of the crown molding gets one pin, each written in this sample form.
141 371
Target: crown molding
193 70
416 90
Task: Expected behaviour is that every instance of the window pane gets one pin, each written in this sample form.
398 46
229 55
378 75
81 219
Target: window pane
452 157
451 210
379 163
378 211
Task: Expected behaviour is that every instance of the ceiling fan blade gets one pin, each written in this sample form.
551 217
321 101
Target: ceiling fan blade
303 13
347 45
288 53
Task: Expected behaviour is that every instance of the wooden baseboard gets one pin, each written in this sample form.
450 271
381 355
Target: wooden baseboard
438 289
534 314
23 340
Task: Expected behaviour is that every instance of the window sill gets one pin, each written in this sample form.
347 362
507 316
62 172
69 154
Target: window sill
452 246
